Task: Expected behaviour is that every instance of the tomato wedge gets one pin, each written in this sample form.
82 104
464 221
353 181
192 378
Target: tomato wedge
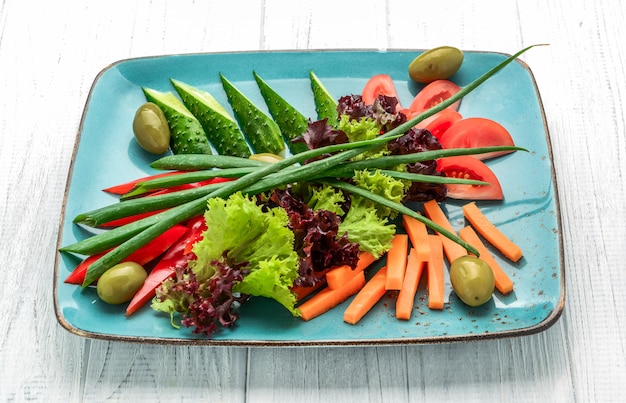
438 123
470 168
380 84
433 94
477 132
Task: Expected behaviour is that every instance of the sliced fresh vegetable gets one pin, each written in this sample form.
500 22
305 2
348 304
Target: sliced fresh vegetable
262 133
435 213
434 269
440 122
340 275
406 296
186 133
185 180
127 220
396 261
128 186
491 233
141 256
302 291
380 84
221 128
77 276
433 94
142 205
463 166
418 235
477 132
325 104
367 297
176 256
291 122
327 299
503 282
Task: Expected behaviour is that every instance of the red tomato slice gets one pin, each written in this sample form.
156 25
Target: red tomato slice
380 84
470 168
438 123
433 94
477 132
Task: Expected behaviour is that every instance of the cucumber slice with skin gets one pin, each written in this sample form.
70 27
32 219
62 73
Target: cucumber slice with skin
187 134
291 122
221 129
325 104
262 133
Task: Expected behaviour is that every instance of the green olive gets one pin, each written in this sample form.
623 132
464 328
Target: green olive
120 283
151 129
436 64
472 280
267 157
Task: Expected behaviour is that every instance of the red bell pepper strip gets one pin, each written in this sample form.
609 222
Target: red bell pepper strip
124 188
127 220
142 256
176 256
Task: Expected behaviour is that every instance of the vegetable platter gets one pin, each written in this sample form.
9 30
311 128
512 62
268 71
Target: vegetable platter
106 154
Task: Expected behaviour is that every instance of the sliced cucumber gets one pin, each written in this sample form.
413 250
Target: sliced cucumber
262 133
291 122
187 134
325 104
221 128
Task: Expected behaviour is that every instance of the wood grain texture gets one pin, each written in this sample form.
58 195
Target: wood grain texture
50 53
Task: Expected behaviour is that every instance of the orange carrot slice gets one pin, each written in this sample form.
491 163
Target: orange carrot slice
367 297
418 234
491 233
340 275
435 273
396 261
303 292
327 299
412 276
503 283
436 214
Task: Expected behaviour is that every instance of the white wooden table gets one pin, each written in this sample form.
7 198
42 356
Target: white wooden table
50 53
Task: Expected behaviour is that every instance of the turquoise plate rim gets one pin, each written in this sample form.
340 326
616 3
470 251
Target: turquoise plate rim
509 317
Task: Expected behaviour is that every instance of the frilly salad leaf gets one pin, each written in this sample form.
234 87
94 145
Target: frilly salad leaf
366 222
247 249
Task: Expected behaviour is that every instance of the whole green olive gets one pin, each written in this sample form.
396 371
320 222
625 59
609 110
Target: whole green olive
120 283
472 280
151 129
436 64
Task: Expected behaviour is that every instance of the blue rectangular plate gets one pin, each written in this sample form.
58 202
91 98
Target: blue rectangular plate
106 154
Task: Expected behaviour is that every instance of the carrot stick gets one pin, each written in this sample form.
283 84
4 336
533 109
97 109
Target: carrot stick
327 298
418 234
491 233
396 261
435 273
503 282
436 214
338 276
303 292
367 297
406 297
